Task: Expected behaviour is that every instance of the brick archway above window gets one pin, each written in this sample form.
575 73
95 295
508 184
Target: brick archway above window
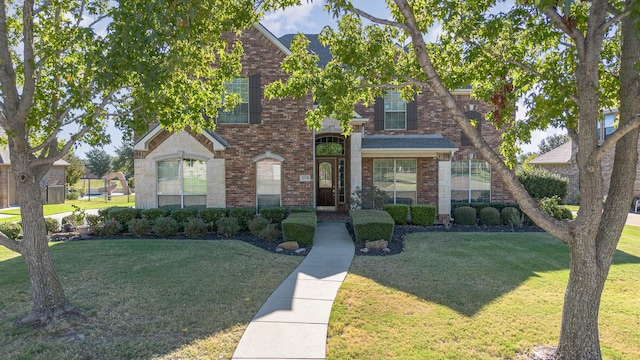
268 155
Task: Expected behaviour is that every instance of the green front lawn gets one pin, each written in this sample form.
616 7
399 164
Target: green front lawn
475 296
168 299
94 203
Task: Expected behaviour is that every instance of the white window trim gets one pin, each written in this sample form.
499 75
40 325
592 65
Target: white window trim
238 104
396 111
395 190
181 159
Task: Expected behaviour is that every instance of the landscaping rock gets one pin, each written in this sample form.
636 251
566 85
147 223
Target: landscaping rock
378 244
301 251
364 250
386 251
289 245
279 250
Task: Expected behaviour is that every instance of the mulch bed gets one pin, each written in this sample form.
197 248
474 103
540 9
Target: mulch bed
396 245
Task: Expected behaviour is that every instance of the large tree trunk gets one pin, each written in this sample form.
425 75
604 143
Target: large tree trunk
579 337
49 300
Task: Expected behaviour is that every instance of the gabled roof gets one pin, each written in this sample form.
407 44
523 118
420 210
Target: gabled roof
314 46
142 143
409 145
558 156
279 44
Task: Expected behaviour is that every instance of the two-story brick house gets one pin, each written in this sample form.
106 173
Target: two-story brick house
262 154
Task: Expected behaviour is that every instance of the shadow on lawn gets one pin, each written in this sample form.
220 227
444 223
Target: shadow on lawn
466 271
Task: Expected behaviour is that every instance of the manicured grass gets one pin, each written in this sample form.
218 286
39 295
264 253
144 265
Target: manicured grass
143 299
95 203
475 296
573 208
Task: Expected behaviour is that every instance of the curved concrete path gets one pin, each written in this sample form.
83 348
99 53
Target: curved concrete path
292 323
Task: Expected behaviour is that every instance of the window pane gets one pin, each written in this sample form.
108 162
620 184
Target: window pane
394 111
460 175
609 121
195 176
325 175
459 196
240 114
480 175
169 177
481 196
268 182
341 181
195 201
383 174
169 201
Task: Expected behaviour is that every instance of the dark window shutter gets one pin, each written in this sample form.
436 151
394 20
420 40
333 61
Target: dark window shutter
255 99
412 115
472 115
378 114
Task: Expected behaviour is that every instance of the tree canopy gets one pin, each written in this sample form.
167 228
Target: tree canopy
567 61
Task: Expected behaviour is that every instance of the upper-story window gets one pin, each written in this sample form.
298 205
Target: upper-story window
606 126
395 111
239 114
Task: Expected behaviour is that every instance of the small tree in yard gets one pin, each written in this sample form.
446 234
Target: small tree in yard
99 162
93 62
567 59
75 170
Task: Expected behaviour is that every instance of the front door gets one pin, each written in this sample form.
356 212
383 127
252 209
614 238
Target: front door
326 185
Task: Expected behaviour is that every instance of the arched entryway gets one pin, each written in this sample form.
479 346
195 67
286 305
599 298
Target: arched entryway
331 169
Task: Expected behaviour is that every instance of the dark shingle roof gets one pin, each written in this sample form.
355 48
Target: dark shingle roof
314 46
407 142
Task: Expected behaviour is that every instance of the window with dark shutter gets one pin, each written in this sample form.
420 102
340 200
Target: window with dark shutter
471 115
412 115
255 99
378 114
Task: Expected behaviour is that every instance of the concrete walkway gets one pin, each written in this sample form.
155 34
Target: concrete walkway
292 323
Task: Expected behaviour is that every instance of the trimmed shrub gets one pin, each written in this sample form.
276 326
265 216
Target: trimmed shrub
275 214
111 227
490 216
73 195
12 230
183 215
228 226
511 216
270 233
104 214
552 207
52 225
464 215
244 215
423 215
153 214
93 220
398 213
195 228
371 225
257 225
165 226
140 227
540 183
211 215
302 209
480 205
123 215
300 227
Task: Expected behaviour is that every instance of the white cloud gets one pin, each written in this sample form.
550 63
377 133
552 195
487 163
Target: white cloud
294 19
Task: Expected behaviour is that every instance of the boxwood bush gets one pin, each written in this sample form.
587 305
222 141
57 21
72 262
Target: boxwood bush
183 215
244 215
258 224
423 215
153 214
511 216
464 215
52 225
211 215
398 212
300 227
227 226
12 230
490 216
195 228
123 215
552 207
275 214
270 233
165 226
140 227
371 225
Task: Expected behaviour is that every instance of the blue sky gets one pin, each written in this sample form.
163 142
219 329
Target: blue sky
310 18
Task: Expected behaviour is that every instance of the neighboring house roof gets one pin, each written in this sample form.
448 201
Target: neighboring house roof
405 144
314 46
558 156
6 160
